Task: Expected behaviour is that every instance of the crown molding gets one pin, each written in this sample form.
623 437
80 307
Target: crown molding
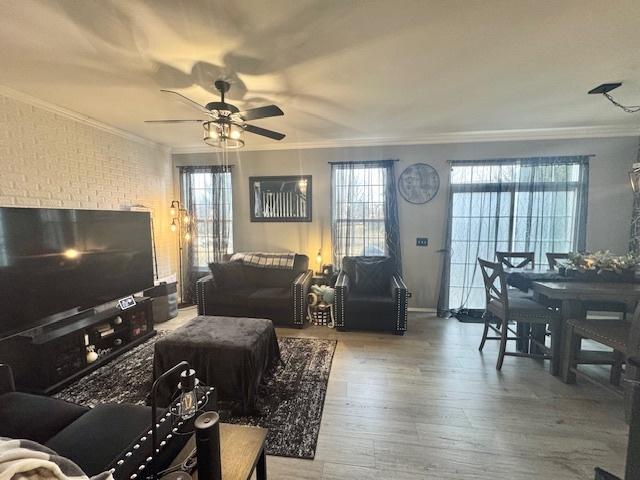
565 133
78 117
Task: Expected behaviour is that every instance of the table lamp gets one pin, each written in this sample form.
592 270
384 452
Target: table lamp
319 261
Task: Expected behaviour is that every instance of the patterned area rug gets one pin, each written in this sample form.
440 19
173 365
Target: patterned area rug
290 401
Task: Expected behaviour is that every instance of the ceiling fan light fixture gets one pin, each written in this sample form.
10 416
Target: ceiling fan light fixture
235 132
211 130
223 135
224 124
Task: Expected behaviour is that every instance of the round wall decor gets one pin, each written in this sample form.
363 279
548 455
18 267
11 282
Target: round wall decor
418 183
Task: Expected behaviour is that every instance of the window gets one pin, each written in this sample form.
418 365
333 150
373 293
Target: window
534 205
358 210
207 195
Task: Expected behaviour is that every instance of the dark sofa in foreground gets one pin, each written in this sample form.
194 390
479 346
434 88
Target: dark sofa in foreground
96 439
234 289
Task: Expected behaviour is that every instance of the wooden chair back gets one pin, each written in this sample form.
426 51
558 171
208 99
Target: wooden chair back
633 343
632 372
527 259
552 259
632 469
495 288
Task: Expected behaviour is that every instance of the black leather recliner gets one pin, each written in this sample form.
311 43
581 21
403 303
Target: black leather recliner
256 292
366 303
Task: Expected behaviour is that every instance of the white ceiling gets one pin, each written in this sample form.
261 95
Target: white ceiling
357 70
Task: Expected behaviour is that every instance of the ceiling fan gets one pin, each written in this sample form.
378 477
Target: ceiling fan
224 124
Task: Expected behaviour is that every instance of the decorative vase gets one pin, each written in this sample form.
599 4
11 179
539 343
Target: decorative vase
92 356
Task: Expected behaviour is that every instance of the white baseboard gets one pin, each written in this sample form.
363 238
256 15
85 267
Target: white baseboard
423 310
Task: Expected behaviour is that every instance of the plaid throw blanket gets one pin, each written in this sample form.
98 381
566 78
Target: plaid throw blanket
27 460
281 261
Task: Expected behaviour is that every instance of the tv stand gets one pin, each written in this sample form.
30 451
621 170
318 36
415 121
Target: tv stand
47 359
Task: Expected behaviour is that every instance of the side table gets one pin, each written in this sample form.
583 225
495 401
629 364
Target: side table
321 314
241 452
319 279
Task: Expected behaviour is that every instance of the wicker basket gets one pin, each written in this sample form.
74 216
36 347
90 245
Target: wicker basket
320 315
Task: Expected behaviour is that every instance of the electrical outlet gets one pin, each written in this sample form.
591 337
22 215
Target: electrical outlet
422 242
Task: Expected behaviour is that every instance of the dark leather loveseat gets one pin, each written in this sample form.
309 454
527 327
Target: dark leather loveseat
370 295
235 289
96 439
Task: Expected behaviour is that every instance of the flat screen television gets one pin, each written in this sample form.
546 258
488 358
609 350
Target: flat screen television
57 260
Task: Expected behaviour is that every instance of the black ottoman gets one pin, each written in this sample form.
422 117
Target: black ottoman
230 353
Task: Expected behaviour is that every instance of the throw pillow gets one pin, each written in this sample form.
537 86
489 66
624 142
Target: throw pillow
228 275
372 277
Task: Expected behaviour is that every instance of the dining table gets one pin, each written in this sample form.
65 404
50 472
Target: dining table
570 294
522 278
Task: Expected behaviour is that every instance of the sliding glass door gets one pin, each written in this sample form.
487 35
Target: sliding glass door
534 205
480 227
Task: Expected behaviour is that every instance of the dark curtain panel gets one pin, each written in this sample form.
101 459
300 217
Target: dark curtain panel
445 269
528 204
582 200
207 196
391 220
364 210
634 234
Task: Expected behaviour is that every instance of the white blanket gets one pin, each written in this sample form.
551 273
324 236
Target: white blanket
27 460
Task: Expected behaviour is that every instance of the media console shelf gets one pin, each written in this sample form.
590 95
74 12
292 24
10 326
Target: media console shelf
48 359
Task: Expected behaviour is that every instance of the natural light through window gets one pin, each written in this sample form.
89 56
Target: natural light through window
211 193
358 210
506 206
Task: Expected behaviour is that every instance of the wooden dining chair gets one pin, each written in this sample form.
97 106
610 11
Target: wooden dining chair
526 259
552 259
504 309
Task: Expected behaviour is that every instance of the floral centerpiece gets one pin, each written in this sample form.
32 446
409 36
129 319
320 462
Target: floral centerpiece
602 265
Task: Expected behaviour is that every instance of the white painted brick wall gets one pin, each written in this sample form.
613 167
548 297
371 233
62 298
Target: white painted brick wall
48 160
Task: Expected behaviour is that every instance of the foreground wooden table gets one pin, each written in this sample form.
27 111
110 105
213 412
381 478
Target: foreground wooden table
241 451
572 296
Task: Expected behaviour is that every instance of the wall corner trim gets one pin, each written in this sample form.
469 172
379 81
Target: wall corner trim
78 117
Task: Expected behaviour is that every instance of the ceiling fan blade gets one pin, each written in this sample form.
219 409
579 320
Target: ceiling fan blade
187 101
260 112
174 121
264 132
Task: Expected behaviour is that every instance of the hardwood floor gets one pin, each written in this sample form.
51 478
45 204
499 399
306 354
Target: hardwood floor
429 405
